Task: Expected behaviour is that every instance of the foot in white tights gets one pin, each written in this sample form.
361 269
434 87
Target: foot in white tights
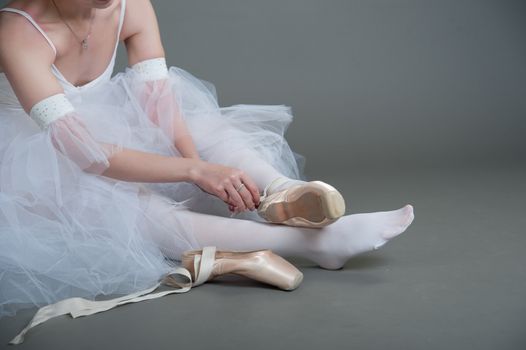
358 233
330 247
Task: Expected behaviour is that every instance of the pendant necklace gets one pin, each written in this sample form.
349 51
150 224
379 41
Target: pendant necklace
83 42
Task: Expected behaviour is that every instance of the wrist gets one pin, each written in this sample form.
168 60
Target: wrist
195 169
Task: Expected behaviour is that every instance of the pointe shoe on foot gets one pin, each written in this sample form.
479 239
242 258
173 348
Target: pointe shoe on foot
260 265
312 204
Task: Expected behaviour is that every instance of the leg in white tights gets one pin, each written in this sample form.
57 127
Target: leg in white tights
330 247
259 170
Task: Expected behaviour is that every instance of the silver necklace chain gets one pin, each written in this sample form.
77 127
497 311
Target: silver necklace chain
83 42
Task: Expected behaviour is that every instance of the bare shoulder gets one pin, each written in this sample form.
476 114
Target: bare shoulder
140 14
20 40
140 32
26 58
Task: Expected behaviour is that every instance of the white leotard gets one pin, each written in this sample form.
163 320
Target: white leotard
104 76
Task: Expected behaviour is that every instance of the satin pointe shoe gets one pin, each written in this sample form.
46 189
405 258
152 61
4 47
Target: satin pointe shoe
260 265
313 204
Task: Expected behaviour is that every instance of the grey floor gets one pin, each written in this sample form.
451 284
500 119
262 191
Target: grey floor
455 279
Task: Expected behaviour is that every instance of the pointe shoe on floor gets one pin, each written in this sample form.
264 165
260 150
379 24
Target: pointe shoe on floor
312 204
260 265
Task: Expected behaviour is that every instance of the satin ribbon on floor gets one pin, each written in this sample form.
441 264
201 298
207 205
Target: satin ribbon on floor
78 307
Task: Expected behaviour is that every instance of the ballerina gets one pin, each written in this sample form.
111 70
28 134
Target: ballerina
106 181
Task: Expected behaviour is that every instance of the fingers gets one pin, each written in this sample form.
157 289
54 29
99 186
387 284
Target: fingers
247 197
239 195
247 189
221 193
225 197
235 197
237 190
251 187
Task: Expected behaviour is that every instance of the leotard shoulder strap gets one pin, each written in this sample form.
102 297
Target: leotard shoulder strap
121 17
33 22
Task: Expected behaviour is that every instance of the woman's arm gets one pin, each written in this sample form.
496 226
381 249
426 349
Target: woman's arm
143 42
26 60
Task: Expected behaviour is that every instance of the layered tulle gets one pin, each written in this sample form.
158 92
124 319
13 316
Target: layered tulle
67 230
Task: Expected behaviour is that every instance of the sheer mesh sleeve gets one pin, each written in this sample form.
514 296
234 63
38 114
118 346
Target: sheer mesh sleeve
64 129
154 90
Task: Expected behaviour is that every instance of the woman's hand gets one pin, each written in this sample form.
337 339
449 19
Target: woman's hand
223 182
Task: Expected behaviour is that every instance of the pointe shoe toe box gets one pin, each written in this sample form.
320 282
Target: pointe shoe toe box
260 265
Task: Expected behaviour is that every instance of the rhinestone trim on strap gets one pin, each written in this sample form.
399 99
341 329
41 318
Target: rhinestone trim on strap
151 69
50 109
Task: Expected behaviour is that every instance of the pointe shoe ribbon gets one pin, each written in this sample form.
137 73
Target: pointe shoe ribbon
77 306
312 204
262 265
204 265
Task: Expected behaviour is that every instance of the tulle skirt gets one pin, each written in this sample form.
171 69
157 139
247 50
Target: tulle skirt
67 232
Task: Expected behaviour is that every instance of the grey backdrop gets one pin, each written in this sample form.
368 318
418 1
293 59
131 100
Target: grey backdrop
371 83
395 101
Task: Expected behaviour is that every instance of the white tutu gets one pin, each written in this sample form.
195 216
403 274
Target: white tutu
66 232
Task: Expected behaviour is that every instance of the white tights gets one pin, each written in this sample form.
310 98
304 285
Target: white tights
330 247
